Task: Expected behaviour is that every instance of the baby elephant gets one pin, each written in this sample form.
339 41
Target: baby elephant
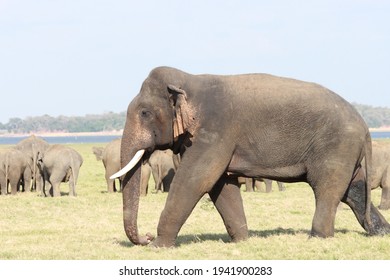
60 164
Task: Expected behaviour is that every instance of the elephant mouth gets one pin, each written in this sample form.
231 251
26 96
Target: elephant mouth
137 157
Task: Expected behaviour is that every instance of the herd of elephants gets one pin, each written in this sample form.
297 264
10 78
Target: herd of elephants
208 134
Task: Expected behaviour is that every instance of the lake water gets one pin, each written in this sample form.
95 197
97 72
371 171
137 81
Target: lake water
108 138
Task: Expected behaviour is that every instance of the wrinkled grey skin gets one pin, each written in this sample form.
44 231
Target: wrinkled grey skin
15 170
163 169
33 147
60 164
256 183
290 131
110 156
381 171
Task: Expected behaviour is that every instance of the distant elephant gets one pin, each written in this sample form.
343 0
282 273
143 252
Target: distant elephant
252 183
289 131
33 147
163 169
15 170
59 164
110 156
381 171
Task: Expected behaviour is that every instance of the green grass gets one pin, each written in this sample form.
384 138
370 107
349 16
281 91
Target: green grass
90 226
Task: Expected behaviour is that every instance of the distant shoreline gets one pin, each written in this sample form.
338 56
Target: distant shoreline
380 129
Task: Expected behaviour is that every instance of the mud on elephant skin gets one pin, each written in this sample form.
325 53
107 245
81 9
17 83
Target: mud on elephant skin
60 164
290 131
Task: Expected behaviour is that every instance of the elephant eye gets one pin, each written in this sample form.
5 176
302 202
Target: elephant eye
145 114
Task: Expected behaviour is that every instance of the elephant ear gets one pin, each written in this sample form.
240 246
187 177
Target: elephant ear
182 118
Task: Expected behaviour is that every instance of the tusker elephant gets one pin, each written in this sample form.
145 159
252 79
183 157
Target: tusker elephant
33 147
381 171
256 183
110 156
59 164
290 131
163 169
15 170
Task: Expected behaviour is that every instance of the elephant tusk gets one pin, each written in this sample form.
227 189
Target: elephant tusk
130 165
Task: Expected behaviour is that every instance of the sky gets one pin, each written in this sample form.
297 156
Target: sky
73 58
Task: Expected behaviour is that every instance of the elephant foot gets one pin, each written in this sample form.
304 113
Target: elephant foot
240 236
163 242
379 225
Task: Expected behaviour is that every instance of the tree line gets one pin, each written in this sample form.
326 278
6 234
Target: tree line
375 117
88 123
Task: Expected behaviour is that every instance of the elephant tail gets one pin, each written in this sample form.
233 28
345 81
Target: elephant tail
368 169
73 168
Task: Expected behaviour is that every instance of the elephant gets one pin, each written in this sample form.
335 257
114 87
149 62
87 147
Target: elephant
163 169
15 170
381 171
110 156
33 147
252 183
290 131
59 164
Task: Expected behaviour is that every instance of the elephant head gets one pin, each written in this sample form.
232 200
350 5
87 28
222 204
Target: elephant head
156 118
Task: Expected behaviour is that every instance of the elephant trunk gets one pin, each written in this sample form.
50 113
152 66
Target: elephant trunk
131 195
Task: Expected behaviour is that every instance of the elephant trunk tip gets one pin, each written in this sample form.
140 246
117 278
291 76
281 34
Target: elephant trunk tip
144 240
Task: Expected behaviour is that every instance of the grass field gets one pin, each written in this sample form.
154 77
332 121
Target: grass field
90 227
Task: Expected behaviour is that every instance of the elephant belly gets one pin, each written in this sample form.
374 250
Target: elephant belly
283 173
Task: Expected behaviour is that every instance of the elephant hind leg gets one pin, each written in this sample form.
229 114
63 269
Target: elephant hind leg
227 199
72 186
324 216
281 186
355 197
268 185
328 191
14 184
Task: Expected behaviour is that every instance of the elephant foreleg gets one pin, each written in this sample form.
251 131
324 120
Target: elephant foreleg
110 184
227 199
196 175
